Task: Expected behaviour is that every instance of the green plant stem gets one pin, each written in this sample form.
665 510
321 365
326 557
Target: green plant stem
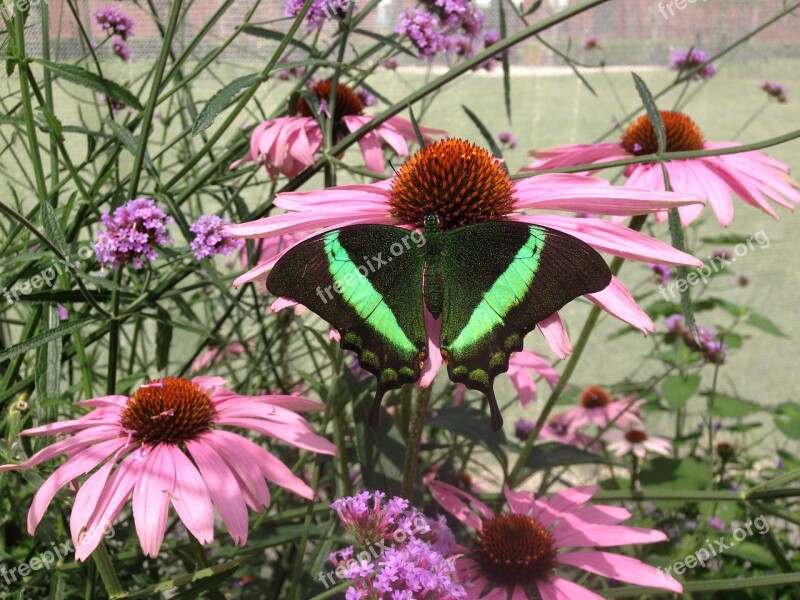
712 585
419 414
150 108
514 477
106 569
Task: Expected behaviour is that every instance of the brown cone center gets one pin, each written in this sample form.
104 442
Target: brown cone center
682 133
170 411
594 397
454 179
348 102
514 550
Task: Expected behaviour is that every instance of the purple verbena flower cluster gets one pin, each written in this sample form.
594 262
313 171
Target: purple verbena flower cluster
507 139
132 234
690 61
490 38
776 90
211 240
407 557
320 11
114 22
662 272
442 26
707 344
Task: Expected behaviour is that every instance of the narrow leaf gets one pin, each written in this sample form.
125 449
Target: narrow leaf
52 227
652 111
36 341
485 133
130 142
221 100
92 81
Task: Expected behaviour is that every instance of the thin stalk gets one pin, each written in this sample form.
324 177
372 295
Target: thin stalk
105 567
419 415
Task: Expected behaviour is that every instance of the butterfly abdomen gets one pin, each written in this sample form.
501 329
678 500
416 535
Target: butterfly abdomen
432 283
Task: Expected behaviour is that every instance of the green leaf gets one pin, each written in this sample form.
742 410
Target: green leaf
130 142
652 111
163 339
750 551
221 100
44 338
553 454
732 407
380 451
485 133
92 81
686 474
764 324
386 41
472 424
678 390
787 419
52 228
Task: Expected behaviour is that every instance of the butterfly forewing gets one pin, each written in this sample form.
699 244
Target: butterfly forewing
499 279
366 281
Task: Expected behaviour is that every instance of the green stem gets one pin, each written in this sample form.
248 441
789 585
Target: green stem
419 415
105 567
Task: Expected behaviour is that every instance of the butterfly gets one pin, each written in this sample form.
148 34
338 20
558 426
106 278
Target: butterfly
490 282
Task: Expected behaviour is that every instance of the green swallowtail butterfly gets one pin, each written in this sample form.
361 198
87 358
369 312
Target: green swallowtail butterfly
491 282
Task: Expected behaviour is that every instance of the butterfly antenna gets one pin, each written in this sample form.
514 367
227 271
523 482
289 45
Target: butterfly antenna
494 410
375 412
393 169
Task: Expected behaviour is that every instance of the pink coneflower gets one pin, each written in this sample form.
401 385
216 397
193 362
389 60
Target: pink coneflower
558 428
636 442
753 176
165 444
521 369
689 62
516 555
471 186
132 234
210 240
597 407
288 145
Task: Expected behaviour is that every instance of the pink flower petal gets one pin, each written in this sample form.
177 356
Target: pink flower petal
299 437
616 300
556 588
87 498
433 362
224 488
555 334
191 498
450 499
571 155
579 533
151 496
520 503
621 568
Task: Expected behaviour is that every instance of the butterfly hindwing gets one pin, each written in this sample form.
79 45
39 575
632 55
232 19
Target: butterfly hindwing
366 281
500 278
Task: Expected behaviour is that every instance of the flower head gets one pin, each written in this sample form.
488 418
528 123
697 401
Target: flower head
464 184
516 554
507 138
320 11
423 30
597 407
708 342
636 442
753 176
391 64
287 145
210 239
121 49
165 444
776 90
695 61
132 234
369 520
114 22
662 272
591 42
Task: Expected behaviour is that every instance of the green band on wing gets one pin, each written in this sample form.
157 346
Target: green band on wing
506 292
359 293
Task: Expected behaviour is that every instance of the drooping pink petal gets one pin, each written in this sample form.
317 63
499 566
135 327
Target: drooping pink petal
225 491
343 199
581 534
82 462
297 436
208 382
88 496
555 334
191 498
450 499
520 502
556 588
433 362
616 300
574 154
151 496
72 444
229 447
621 568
